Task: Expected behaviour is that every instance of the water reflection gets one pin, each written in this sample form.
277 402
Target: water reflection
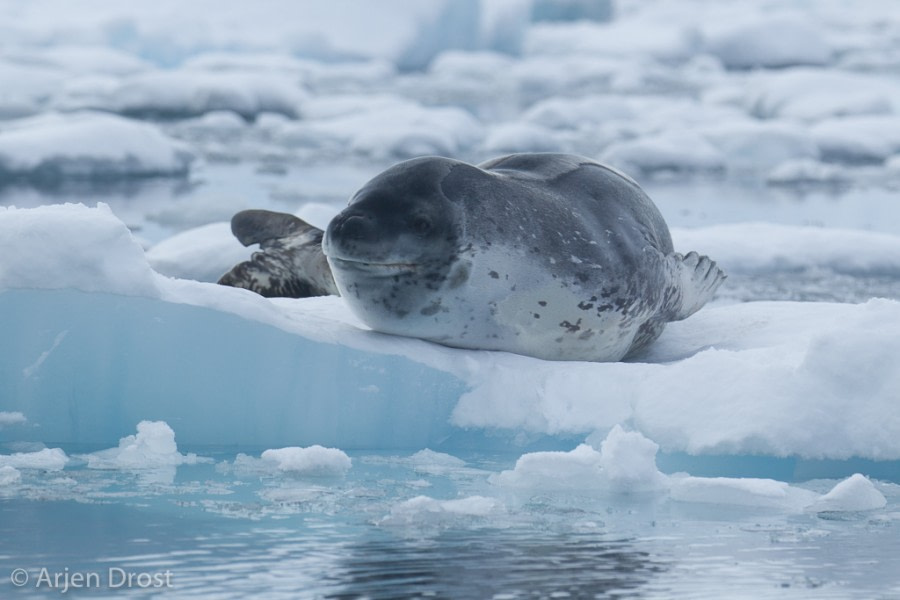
497 564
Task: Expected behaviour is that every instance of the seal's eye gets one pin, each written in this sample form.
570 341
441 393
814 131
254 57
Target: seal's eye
420 225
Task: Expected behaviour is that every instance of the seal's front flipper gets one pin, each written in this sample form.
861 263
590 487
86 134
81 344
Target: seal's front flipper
290 262
698 277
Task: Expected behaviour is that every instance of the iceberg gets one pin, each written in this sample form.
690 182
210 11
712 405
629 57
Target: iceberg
88 321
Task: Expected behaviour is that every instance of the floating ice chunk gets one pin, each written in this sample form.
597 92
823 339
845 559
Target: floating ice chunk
27 89
47 459
80 59
628 37
9 475
770 43
312 461
456 65
521 137
575 113
626 463
805 171
186 92
812 94
11 418
760 145
682 151
390 128
423 511
217 125
46 248
578 469
434 463
571 10
893 164
628 460
746 491
54 147
858 139
760 247
152 447
204 253
856 493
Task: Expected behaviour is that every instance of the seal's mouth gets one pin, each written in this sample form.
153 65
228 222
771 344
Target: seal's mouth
374 267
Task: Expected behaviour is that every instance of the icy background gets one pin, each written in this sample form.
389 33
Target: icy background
308 448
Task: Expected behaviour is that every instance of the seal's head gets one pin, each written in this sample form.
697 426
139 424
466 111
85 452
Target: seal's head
394 250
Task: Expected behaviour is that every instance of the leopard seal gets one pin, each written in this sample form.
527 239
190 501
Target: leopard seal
549 255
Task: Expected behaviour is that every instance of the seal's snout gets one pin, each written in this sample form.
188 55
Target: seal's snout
352 233
352 227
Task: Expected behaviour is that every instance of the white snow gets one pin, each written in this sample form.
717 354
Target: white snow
314 460
55 146
152 447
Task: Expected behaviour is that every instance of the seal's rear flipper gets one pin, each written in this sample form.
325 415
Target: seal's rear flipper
699 277
260 226
290 262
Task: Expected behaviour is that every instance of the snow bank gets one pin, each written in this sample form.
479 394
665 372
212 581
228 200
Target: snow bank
52 147
314 460
152 447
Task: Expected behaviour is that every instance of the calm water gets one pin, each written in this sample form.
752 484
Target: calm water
212 531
